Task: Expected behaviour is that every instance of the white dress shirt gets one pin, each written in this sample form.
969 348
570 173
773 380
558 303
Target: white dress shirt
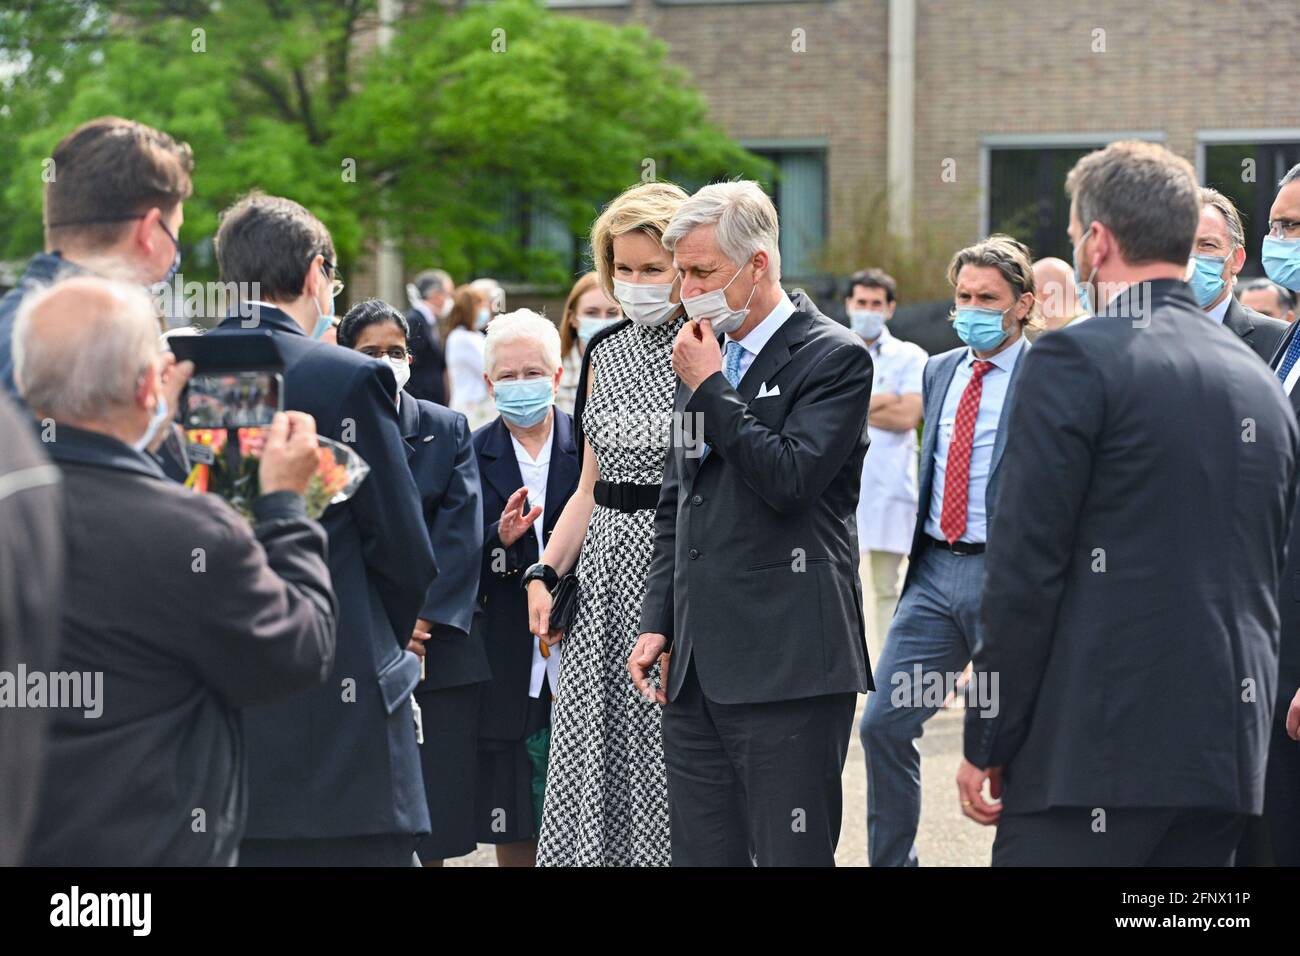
1219 311
887 502
992 397
465 368
534 473
758 336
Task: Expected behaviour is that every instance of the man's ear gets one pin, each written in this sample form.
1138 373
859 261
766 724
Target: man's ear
146 234
314 277
147 387
1236 260
762 263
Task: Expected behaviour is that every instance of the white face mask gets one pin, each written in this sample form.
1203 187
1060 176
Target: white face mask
156 421
713 306
867 323
646 303
447 306
401 369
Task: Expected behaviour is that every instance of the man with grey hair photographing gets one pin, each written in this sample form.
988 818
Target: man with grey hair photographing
176 612
754 581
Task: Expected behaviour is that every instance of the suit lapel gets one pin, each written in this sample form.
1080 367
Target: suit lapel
499 464
774 355
561 474
1278 357
408 418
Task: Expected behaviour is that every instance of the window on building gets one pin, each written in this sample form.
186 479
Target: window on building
1026 196
798 189
1247 173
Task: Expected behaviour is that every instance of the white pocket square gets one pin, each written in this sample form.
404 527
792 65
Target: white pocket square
764 393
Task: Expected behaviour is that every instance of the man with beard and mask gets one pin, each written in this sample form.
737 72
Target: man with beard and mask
176 612
754 580
431 302
1129 611
1218 254
967 393
887 502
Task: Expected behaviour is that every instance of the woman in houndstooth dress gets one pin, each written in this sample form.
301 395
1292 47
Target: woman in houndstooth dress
606 800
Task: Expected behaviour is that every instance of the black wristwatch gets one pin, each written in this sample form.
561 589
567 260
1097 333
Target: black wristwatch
540 572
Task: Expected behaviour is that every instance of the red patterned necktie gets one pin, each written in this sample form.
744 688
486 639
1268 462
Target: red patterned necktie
956 478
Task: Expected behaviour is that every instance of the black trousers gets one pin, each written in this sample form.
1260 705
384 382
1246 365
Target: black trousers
1282 796
755 783
1132 836
385 849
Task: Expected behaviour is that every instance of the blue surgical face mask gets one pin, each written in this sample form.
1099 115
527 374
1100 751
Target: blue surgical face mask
867 324
1207 278
1281 258
981 329
160 415
484 317
524 402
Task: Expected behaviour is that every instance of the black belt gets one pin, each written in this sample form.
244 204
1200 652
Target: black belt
958 547
626 495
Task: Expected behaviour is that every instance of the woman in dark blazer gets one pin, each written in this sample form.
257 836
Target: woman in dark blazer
454 663
531 436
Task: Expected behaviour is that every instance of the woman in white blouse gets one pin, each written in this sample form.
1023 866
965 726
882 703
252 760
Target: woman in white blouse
469 316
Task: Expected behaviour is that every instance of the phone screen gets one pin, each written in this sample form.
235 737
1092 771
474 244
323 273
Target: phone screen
247 399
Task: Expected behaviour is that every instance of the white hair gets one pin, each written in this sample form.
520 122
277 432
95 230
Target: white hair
95 368
492 289
522 325
745 218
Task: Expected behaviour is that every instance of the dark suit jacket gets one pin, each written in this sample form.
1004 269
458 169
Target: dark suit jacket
341 760
1257 330
189 615
503 606
935 381
1130 600
446 472
427 361
754 575
41 271
1289 590
31 586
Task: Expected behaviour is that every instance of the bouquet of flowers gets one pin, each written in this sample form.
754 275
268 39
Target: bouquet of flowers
229 469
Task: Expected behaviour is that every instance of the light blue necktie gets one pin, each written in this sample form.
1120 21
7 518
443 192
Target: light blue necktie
731 362
731 372
1289 359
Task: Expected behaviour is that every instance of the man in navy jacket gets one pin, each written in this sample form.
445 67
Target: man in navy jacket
335 772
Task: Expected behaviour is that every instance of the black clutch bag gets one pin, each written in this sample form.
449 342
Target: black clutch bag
564 603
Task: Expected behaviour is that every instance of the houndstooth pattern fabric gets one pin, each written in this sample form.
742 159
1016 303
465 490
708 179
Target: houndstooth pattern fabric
606 789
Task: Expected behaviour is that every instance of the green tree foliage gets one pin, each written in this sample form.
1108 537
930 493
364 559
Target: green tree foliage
475 126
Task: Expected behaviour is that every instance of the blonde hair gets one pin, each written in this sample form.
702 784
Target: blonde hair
1010 257
647 207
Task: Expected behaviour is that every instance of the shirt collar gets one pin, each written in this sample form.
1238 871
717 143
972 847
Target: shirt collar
1219 311
274 315
423 308
759 334
1005 360
543 456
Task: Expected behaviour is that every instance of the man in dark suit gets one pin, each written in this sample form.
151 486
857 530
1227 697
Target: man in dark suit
1130 604
113 207
1282 798
754 579
431 303
1218 254
31 585
967 393
181 611
335 773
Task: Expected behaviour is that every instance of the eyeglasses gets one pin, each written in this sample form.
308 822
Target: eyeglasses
397 354
1284 228
332 273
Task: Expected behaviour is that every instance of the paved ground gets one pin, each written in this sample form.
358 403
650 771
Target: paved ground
946 837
